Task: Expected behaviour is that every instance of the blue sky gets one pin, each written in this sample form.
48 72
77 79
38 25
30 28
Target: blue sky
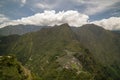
95 9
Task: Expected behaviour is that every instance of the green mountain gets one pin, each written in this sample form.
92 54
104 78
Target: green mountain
11 69
18 29
104 44
65 53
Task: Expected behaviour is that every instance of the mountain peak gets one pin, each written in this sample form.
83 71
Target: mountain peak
65 24
92 27
63 31
62 26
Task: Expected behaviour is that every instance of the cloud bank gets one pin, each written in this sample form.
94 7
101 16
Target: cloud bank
97 6
112 23
51 18
89 7
3 19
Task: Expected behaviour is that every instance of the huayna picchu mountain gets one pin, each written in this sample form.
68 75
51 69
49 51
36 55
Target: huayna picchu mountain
65 53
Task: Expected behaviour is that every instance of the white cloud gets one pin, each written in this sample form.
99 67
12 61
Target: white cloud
112 23
89 7
23 2
44 6
97 6
50 18
3 19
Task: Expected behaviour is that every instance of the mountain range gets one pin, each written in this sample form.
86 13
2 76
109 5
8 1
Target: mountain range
18 29
62 52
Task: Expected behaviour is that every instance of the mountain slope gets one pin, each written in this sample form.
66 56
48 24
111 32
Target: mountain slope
104 44
6 42
11 69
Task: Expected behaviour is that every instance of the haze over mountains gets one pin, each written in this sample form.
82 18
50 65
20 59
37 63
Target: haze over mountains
22 29
19 29
63 52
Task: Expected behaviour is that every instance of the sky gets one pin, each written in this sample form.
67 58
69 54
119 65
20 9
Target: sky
105 13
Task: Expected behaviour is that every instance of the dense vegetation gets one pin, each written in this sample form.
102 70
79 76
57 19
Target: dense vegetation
62 53
6 42
11 69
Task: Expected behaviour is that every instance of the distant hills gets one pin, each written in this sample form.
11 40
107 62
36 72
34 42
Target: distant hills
66 53
19 29
23 29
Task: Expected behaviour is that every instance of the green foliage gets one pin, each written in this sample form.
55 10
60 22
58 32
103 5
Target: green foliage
7 42
11 69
